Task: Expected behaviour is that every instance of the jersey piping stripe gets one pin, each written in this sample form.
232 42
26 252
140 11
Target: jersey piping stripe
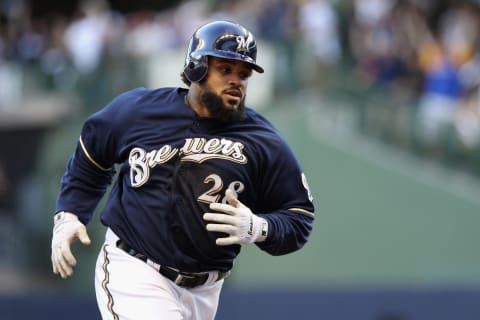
301 210
105 281
90 158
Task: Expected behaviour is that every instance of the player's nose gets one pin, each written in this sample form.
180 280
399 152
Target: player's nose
237 80
234 80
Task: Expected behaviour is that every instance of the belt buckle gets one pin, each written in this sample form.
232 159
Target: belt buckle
182 278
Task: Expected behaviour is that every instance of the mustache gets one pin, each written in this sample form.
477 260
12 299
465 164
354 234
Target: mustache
235 91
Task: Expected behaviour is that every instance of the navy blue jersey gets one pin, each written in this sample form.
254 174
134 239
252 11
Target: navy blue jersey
171 165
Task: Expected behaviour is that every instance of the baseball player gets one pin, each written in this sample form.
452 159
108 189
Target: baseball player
199 175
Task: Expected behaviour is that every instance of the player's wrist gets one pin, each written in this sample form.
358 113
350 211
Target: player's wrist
261 229
64 217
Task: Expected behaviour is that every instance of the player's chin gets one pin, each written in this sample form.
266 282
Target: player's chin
222 109
232 103
232 113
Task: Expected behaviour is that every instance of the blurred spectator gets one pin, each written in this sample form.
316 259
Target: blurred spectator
375 41
277 25
441 94
31 43
85 37
467 118
318 25
188 16
55 63
440 58
10 90
149 33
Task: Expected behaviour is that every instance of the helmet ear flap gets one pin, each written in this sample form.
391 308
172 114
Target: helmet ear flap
196 68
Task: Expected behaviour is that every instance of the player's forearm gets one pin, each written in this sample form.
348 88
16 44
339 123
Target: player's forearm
288 231
82 187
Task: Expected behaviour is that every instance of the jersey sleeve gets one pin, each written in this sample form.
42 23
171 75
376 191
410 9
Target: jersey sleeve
90 169
287 203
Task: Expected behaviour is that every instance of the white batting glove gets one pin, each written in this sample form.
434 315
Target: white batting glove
66 229
236 220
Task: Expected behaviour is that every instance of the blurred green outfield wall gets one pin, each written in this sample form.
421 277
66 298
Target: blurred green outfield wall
382 218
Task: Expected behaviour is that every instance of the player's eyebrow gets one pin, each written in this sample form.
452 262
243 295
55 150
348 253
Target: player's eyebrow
218 62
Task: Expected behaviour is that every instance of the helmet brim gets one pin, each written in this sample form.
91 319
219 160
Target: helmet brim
234 56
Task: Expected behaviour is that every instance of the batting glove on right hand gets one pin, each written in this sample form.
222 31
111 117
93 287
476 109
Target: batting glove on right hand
66 229
237 221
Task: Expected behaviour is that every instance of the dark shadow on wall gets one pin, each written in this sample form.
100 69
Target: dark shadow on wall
338 304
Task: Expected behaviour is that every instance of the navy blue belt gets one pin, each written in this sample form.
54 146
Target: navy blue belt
180 278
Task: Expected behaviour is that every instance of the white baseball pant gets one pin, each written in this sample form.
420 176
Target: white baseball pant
130 289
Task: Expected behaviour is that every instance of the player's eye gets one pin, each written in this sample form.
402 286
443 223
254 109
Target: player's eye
225 69
244 75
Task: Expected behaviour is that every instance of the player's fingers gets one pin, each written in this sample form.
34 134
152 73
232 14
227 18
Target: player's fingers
220 218
222 207
225 228
54 267
83 236
62 266
56 260
227 241
62 273
67 254
232 199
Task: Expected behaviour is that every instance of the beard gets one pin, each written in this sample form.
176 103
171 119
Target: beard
219 111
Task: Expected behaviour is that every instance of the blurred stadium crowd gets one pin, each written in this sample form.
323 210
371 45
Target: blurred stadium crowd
422 60
410 66
410 69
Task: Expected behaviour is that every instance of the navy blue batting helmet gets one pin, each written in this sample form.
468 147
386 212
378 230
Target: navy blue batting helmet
222 39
